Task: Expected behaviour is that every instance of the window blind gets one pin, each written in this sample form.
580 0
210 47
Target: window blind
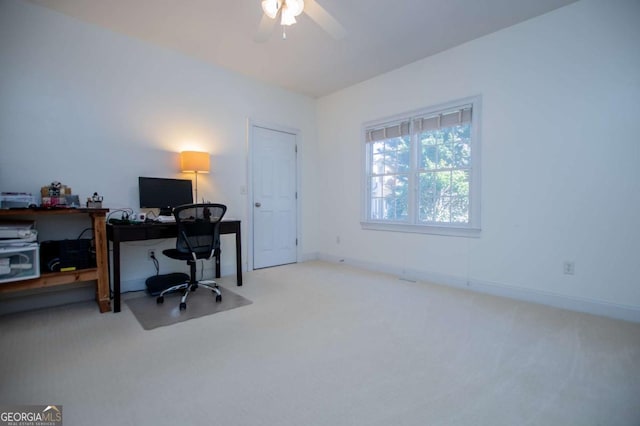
395 130
460 115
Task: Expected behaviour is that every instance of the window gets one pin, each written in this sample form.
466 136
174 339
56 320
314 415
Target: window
422 171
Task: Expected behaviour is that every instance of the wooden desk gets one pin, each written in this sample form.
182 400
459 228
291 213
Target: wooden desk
50 279
151 231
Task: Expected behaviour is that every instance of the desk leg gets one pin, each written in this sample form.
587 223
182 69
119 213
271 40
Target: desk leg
100 238
116 274
238 257
217 255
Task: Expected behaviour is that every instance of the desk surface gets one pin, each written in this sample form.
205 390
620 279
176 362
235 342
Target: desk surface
118 233
157 230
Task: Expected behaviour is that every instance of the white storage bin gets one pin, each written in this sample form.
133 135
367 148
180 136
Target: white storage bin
19 263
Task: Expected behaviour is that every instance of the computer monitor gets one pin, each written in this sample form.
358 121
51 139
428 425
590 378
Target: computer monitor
164 194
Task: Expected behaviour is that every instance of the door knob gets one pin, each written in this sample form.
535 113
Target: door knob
258 204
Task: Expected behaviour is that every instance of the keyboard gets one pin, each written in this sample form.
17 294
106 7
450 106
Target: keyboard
166 219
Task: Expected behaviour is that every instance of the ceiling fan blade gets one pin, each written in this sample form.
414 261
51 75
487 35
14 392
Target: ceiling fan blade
265 28
324 19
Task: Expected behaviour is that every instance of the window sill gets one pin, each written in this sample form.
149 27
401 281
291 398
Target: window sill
450 231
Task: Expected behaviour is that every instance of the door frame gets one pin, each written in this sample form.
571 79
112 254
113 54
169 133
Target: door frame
251 123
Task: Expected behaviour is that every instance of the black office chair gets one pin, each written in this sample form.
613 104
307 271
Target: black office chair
198 238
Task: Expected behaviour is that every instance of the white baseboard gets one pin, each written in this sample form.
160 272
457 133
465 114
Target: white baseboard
590 306
137 284
306 257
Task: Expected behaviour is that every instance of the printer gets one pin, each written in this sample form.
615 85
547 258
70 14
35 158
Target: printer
17 232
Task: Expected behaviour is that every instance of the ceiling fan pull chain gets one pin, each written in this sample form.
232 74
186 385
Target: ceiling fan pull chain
284 32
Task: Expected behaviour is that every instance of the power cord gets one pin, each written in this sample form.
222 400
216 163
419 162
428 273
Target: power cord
83 231
124 215
156 263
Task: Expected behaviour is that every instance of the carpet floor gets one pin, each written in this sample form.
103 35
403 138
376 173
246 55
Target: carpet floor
328 344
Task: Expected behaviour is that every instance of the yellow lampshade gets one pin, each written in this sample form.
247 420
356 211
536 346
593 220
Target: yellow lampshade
194 162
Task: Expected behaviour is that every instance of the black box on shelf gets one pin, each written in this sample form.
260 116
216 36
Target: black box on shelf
66 255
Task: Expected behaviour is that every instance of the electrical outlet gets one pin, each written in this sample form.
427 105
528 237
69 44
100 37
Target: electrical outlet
568 268
151 254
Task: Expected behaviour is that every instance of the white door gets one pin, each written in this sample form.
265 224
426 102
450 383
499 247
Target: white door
274 198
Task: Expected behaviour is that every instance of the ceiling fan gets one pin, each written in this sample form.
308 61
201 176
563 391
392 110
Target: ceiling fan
288 10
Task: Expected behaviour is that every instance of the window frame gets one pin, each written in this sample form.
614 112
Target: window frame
471 229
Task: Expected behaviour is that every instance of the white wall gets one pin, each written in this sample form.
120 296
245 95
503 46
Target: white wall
560 179
560 153
95 110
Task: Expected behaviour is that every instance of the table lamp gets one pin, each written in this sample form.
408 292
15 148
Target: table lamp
195 162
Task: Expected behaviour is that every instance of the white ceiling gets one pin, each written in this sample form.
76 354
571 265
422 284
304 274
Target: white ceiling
381 35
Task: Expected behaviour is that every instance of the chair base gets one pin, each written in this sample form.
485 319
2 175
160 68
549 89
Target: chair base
189 287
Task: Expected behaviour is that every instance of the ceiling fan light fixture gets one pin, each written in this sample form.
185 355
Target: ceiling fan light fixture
295 6
288 10
287 18
270 8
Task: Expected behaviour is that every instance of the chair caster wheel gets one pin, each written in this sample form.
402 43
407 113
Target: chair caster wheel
183 306
160 300
218 298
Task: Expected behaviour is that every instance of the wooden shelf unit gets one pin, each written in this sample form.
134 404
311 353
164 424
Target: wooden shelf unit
100 273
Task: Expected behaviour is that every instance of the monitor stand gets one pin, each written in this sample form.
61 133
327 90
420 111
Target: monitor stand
166 211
